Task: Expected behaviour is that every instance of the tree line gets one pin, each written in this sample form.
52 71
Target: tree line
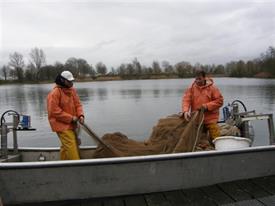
37 70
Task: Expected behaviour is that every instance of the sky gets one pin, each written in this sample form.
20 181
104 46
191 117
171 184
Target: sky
116 31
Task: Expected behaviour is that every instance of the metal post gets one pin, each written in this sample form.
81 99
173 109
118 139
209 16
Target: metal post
14 131
271 129
4 141
235 109
245 129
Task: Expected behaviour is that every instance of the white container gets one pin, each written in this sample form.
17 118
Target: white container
231 143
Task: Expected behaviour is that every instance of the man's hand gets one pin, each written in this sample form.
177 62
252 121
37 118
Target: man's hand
187 116
203 108
75 119
81 120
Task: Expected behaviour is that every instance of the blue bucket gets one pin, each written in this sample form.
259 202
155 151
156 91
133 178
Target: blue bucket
226 113
26 122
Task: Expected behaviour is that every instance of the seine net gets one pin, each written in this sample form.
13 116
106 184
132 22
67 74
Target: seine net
170 135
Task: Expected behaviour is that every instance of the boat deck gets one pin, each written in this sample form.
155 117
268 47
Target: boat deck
252 192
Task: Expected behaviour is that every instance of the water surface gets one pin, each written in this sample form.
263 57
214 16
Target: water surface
131 107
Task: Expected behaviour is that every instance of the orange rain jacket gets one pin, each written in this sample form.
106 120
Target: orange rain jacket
63 104
197 96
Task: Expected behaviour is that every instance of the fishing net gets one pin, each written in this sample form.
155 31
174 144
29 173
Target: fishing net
172 134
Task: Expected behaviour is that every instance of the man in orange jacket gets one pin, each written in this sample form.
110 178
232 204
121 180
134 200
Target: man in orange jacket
64 110
202 94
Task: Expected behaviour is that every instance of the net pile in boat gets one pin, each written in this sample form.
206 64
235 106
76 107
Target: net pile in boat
171 135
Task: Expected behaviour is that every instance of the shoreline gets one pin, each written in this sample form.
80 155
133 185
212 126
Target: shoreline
126 78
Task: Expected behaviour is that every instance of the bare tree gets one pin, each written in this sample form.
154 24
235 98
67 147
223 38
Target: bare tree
72 65
137 66
37 60
17 63
5 71
184 69
83 67
101 68
156 67
168 68
12 73
92 71
121 70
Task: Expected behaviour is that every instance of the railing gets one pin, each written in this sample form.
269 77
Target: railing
269 118
242 119
14 125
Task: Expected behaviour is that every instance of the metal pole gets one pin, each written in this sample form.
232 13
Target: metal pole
271 129
245 129
15 144
4 141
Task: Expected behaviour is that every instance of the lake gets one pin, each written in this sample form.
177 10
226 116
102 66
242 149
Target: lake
131 107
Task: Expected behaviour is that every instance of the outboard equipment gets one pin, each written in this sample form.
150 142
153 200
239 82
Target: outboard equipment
242 119
15 122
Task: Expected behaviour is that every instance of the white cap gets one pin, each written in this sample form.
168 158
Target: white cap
67 75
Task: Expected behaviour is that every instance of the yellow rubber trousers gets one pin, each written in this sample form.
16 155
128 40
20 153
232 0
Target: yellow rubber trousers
69 147
214 130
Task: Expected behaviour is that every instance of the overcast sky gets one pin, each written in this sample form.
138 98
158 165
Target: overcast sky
116 32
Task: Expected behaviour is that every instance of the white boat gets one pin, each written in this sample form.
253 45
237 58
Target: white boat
32 175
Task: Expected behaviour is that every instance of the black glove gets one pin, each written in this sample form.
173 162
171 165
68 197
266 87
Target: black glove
203 108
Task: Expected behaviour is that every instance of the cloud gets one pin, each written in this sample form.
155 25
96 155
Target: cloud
116 32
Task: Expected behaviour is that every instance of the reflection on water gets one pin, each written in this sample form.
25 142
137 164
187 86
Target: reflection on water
102 93
131 93
85 94
131 107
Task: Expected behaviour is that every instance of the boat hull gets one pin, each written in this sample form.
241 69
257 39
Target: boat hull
93 178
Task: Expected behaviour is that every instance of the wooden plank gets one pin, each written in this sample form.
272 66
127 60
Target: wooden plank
268 201
232 189
116 201
217 195
198 197
246 203
254 190
156 199
92 202
267 183
55 203
136 200
177 198
71 203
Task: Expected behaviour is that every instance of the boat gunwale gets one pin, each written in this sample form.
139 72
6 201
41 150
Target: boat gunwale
132 159
50 149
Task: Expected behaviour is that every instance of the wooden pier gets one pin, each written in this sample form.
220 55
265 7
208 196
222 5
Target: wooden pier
251 192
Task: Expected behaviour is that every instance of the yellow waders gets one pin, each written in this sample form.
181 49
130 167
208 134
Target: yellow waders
214 130
69 148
